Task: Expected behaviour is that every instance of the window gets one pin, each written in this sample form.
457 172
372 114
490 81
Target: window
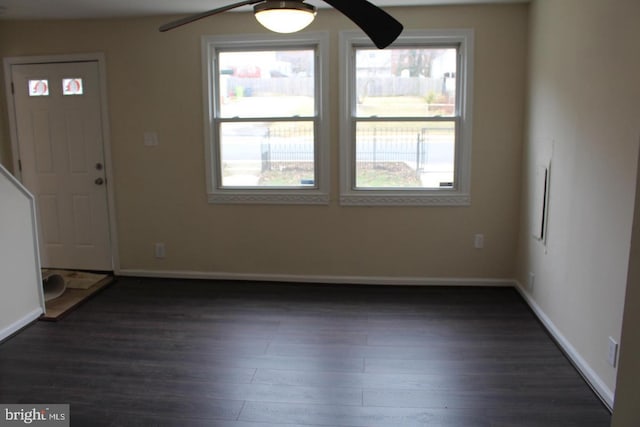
39 87
266 124
405 131
72 86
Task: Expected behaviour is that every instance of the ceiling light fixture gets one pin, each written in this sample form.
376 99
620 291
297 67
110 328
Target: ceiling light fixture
284 16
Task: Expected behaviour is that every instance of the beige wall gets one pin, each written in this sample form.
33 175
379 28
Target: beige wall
583 114
154 83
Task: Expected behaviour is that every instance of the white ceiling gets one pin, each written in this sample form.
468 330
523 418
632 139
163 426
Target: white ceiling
74 9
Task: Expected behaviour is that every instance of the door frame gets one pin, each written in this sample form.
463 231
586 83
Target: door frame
98 57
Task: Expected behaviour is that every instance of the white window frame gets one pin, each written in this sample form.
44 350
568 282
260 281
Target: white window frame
216 193
459 194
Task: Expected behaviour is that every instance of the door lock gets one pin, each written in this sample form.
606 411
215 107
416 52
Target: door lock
99 181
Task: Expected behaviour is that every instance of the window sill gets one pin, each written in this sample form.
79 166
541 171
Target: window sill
413 199
269 198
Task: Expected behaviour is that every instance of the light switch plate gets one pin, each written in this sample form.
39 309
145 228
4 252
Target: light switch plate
150 139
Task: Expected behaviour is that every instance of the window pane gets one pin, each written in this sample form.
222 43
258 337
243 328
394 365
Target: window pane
267 154
39 87
406 82
267 83
405 154
72 86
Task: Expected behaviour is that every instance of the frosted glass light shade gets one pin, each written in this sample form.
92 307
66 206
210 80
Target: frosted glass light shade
284 16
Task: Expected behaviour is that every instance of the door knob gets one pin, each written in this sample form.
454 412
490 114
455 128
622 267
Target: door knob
99 181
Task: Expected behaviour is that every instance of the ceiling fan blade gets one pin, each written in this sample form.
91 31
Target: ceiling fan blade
381 27
191 18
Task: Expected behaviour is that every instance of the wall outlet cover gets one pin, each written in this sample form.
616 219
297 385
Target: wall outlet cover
478 241
613 352
160 251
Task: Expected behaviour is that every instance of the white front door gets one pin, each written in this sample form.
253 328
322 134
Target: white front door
60 144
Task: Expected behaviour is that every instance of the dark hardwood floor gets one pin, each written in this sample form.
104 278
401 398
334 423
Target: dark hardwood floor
148 352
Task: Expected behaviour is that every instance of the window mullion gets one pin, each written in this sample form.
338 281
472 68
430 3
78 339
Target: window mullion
264 119
405 119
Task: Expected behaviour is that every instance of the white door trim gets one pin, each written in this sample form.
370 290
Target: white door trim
102 69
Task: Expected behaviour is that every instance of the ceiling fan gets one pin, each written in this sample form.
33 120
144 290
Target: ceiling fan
381 27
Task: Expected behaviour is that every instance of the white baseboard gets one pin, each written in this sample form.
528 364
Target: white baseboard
302 278
20 323
595 382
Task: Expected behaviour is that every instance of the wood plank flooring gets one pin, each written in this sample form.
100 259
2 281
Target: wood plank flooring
151 352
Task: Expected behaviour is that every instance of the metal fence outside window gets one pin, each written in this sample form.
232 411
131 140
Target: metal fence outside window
293 147
377 146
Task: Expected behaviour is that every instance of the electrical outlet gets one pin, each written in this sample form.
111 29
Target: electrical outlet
150 139
478 241
613 352
160 250
531 281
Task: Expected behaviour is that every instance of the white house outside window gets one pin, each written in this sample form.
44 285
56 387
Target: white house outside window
406 119
266 124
